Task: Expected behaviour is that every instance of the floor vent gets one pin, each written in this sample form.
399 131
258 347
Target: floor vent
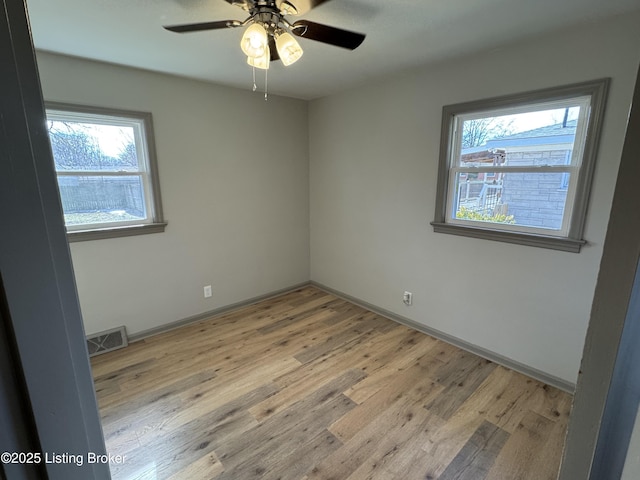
106 341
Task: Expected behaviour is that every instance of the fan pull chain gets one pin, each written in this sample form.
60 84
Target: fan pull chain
255 87
266 83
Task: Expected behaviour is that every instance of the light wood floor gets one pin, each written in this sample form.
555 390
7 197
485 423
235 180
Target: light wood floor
308 386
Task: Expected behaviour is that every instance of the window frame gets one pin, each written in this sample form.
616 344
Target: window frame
571 238
149 175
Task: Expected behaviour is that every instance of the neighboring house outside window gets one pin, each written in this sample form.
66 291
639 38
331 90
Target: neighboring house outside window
106 169
519 168
551 145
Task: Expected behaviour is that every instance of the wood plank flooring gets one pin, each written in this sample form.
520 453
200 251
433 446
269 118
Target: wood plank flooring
307 386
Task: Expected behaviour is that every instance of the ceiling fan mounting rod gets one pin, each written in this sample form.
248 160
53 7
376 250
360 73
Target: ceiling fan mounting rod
266 3
267 13
268 19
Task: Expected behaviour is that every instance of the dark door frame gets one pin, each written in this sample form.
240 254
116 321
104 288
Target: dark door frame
17 428
41 315
608 390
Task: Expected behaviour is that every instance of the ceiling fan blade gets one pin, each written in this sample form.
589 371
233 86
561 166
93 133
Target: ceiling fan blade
273 50
197 27
326 34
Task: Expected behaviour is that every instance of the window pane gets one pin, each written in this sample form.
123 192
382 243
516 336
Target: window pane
529 199
517 168
542 137
92 146
102 199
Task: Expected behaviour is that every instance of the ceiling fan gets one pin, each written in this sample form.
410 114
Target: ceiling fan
269 36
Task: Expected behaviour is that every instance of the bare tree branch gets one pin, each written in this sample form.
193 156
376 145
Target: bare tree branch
478 132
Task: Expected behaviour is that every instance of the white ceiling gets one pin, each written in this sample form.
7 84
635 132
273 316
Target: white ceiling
400 34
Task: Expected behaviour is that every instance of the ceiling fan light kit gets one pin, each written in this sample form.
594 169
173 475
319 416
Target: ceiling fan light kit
289 49
254 42
270 37
261 62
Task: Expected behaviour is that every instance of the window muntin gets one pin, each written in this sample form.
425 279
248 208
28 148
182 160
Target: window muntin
527 158
105 165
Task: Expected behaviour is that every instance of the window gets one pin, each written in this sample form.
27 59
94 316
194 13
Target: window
518 168
106 169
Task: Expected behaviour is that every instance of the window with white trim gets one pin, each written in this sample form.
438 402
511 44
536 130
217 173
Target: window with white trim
106 169
518 168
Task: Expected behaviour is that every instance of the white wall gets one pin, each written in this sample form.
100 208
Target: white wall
234 194
373 168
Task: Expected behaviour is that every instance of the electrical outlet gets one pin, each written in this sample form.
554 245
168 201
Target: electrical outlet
207 291
407 298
